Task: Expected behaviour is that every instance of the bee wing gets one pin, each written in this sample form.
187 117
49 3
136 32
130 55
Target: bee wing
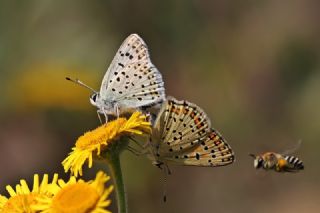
293 149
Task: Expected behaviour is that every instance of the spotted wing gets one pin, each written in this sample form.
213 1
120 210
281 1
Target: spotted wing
181 126
132 80
214 151
137 84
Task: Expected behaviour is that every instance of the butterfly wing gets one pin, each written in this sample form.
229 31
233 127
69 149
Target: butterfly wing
131 79
214 151
137 84
180 126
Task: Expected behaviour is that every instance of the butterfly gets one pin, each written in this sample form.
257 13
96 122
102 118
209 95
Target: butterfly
182 134
131 81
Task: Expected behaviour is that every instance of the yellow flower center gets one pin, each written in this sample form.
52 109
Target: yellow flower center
76 198
20 204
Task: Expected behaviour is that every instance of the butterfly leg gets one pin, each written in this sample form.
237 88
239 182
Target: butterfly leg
117 110
135 151
136 142
141 147
99 116
105 115
167 169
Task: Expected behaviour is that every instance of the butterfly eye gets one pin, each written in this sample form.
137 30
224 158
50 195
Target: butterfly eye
93 98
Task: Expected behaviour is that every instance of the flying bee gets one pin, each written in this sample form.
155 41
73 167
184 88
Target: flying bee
278 162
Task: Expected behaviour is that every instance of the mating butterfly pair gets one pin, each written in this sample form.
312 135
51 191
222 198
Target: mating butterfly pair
182 132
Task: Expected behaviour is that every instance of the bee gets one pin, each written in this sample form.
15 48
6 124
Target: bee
278 162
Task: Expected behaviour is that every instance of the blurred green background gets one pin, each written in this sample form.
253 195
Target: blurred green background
252 65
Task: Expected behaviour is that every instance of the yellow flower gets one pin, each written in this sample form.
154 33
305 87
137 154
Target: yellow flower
22 199
78 196
102 139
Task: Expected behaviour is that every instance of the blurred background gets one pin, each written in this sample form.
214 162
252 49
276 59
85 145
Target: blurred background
252 65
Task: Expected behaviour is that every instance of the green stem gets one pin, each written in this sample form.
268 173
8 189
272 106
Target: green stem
113 161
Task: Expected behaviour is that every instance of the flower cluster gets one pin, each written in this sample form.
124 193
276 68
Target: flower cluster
76 195
58 196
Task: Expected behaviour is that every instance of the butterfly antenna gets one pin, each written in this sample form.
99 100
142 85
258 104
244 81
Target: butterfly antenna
77 81
166 173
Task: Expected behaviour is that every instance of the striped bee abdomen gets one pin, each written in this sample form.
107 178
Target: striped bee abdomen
294 162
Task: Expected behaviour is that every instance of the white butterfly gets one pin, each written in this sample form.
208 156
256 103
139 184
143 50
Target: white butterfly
131 81
182 134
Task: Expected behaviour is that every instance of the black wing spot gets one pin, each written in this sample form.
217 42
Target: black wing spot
121 65
197 156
